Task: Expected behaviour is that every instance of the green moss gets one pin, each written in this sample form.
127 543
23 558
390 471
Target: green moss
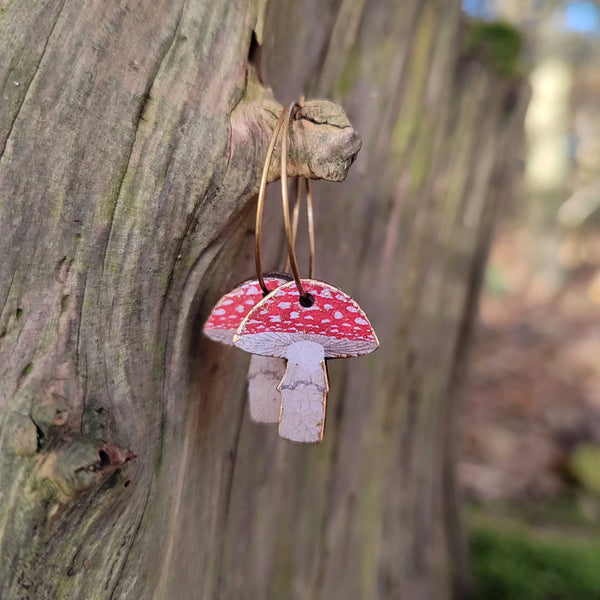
370 509
107 207
410 118
281 583
254 91
158 457
19 313
516 566
497 44
63 586
57 207
496 280
28 369
584 465
350 73
420 161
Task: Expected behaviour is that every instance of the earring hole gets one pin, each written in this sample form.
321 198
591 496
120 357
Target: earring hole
307 301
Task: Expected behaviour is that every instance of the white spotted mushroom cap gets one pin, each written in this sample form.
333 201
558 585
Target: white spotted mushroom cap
335 321
231 309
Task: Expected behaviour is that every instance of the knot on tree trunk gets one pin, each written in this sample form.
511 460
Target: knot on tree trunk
80 465
69 451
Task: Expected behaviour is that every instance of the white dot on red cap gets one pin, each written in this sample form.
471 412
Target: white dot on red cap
326 293
294 315
227 302
250 302
361 321
240 308
284 305
327 306
252 290
219 311
275 319
352 308
326 321
338 315
346 325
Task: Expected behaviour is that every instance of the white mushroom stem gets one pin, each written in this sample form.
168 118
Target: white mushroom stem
303 392
264 373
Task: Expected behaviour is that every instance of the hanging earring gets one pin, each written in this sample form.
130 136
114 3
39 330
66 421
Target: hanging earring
305 322
264 373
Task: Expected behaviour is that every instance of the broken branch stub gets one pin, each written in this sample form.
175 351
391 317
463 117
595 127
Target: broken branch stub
333 143
322 143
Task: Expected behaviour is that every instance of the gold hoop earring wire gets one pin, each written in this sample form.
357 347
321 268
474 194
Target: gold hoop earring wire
261 198
310 219
290 231
289 235
311 224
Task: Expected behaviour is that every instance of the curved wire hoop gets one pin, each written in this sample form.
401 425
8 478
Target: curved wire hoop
282 125
311 224
261 200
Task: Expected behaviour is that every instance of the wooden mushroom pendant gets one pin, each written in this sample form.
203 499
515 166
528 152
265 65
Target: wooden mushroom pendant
326 323
264 373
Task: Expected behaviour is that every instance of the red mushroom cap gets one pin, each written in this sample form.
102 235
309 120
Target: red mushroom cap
231 309
334 320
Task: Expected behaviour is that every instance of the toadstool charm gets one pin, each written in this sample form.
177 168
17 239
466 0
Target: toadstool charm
326 323
264 373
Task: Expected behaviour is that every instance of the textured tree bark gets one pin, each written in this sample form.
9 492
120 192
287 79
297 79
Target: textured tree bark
131 142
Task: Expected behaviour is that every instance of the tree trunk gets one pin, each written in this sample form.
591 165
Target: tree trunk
132 136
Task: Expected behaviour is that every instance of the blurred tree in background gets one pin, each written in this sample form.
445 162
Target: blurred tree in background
544 273
131 139
530 458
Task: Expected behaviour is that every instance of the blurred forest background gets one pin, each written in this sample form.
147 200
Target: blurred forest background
129 467
530 419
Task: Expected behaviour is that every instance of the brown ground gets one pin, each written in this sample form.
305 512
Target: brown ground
533 395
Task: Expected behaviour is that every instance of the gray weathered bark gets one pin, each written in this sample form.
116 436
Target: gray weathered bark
131 142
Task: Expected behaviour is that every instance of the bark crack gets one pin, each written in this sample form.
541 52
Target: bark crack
323 551
5 302
139 119
137 122
79 354
119 577
30 82
233 453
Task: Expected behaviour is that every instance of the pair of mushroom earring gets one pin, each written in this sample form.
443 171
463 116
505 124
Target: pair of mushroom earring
291 326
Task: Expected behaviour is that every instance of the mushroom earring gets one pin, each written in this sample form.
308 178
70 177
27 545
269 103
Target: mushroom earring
306 322
264 373
306 330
